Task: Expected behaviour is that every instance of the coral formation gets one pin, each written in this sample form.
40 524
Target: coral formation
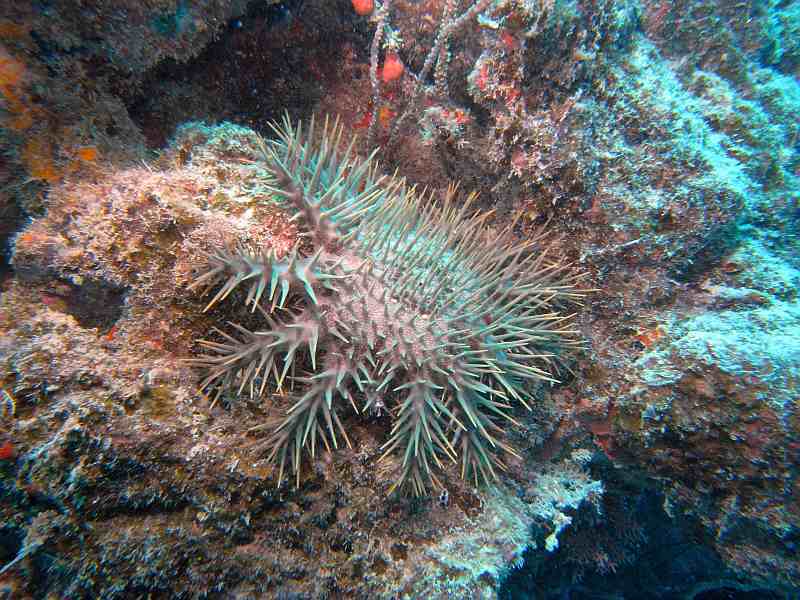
154 491
412 305
656 138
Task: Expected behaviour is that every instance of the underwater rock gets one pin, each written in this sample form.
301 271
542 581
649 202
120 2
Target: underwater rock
656 140
165 494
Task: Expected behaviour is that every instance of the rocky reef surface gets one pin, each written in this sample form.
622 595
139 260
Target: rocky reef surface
657 142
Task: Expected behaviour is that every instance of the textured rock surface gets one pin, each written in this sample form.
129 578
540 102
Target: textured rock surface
658 139
110 435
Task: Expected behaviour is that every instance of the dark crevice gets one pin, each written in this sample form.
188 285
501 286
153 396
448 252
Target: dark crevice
646 552
11 220
261 64
734 593
11 539
94 303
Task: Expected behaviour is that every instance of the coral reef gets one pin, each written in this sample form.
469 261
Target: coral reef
723 382
655 140
110 434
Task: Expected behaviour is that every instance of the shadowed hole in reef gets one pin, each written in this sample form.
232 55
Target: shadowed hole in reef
10 221
261 64
10 543
94 303
5 269
666 560
732 593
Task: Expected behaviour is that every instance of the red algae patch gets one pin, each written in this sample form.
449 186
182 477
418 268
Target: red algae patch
363 7
392 68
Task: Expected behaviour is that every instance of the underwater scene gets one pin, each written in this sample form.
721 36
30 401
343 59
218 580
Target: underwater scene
399 299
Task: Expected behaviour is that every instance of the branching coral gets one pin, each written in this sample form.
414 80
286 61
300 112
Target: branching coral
406 304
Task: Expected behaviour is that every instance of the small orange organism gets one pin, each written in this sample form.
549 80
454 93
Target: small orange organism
12 73
648 337
363 7
364 121
509 41
392 68
385 115
37 154
87 153
11 70
7 451
461 117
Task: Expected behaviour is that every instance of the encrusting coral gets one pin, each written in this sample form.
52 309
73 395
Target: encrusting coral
403 304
